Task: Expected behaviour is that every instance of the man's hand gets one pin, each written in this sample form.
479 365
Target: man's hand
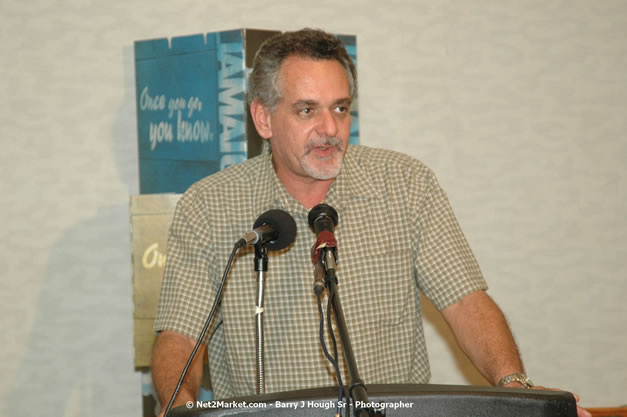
580 411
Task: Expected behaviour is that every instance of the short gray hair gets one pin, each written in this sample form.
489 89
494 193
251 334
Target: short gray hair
308 43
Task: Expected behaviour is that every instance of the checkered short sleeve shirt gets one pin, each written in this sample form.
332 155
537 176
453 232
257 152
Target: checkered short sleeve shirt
397 236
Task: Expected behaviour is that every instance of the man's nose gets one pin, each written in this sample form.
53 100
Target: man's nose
327 124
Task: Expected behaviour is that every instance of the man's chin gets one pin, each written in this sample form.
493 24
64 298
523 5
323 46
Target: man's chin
325 177
322 168
322 173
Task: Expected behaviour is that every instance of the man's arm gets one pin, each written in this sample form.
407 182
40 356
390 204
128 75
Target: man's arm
483 334
169 356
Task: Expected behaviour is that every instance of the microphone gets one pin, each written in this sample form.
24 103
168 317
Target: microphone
274 228
323 219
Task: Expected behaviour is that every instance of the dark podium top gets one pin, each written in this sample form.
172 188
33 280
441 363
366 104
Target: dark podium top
407 400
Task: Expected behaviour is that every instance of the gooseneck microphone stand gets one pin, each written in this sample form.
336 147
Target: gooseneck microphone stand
261 267
275 230
323 219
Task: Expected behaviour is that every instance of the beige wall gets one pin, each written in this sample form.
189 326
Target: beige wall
520 107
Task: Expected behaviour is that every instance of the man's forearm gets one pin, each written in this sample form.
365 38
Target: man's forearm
169 356
482 332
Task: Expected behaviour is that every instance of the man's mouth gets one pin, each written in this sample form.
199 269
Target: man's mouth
325 148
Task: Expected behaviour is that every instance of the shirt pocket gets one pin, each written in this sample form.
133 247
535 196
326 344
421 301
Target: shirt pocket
378 288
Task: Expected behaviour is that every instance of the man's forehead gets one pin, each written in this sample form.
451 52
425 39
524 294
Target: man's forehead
299 74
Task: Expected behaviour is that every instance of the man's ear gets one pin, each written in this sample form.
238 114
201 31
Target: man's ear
261 118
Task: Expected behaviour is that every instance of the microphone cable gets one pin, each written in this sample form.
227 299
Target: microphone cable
203 333
332 359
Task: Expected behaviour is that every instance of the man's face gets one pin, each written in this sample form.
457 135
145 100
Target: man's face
310 127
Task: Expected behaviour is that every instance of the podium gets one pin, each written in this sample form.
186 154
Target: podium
407 400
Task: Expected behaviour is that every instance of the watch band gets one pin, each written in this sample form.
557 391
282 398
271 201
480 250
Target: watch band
519 377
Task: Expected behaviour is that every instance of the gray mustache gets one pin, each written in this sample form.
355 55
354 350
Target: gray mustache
326 141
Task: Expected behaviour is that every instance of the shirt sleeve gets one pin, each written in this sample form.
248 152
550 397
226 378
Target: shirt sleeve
446 267
186 291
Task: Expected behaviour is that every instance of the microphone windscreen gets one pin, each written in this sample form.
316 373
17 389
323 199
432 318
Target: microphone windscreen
283 223
324 211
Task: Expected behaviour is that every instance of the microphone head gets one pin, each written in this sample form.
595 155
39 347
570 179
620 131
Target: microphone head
282 223
322 210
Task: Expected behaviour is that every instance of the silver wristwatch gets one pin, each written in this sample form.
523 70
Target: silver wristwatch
519 377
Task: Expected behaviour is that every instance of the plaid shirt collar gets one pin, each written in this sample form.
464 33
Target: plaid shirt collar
351 183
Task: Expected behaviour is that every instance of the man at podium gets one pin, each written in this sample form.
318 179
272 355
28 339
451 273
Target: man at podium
397 236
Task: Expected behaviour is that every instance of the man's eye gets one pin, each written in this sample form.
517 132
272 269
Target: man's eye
306 111
341 109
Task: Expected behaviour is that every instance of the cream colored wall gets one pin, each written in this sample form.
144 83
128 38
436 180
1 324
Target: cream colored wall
519 106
